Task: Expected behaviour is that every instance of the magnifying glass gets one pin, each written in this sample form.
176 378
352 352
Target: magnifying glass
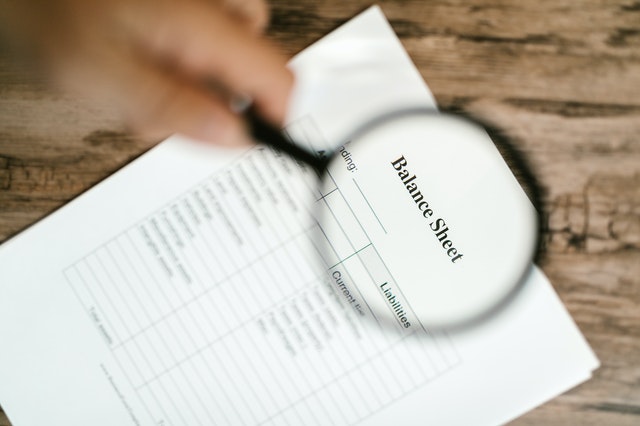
422 222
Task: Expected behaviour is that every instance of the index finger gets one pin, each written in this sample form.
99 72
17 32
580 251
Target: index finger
205 42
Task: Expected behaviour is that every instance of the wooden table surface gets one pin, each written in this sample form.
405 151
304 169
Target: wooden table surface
560 78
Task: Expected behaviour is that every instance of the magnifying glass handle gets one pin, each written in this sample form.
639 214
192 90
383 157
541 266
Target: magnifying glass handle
266 133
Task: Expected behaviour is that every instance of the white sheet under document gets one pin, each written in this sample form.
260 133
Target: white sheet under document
183 290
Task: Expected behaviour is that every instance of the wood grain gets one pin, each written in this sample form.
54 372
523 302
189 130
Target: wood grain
561 79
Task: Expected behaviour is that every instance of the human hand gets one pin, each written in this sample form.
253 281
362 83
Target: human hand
155 60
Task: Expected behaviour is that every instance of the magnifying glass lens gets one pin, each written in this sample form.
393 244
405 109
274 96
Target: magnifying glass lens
423 223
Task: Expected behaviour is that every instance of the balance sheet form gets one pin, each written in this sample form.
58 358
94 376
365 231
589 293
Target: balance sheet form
185 316
197 287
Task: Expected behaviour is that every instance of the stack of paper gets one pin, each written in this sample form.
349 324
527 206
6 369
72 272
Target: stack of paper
181 291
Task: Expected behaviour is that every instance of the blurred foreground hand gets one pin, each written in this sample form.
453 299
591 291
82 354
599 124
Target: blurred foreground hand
155 60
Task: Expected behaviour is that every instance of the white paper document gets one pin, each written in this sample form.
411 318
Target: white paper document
184 289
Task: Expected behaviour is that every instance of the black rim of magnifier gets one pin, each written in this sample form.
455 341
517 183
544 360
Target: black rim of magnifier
515 160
